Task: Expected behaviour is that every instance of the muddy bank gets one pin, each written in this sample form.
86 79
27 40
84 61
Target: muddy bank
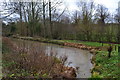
92 50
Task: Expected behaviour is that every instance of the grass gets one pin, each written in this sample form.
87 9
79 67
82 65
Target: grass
96 44
106 67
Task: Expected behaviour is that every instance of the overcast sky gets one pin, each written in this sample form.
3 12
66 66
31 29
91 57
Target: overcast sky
112 5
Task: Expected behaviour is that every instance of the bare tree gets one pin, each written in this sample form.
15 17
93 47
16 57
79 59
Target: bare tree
50 18
86 15
102 14
44 5
117 19
117 16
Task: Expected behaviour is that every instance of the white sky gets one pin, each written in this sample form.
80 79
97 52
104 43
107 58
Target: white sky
112 5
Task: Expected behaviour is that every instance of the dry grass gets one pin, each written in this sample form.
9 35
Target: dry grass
27 62
31 63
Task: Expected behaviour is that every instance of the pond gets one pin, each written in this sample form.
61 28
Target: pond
75 57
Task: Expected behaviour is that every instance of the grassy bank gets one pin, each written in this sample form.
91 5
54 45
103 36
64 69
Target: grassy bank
105 67
92 49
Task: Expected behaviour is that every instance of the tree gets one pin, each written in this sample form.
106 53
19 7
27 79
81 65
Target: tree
44 5
50 18
102 14
52 9
117 19
86 16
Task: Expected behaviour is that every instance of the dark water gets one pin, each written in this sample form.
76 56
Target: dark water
75 57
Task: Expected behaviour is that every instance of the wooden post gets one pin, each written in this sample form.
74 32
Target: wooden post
119 53
109 51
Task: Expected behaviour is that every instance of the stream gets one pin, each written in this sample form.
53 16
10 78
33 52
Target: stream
75 57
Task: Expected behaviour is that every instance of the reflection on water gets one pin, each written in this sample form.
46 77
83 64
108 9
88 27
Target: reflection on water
75 57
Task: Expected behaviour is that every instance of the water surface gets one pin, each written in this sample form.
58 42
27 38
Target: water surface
75 57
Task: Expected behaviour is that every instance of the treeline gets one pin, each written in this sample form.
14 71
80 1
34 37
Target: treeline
90 22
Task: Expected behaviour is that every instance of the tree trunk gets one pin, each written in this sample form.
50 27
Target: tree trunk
20 12
109 54
50 18
33 16
44 19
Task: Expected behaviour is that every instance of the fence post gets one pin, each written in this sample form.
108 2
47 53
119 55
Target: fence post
118 59
119 51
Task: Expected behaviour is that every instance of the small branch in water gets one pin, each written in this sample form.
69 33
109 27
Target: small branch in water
63 59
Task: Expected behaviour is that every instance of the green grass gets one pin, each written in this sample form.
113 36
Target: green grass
95 44
107 67
92 44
